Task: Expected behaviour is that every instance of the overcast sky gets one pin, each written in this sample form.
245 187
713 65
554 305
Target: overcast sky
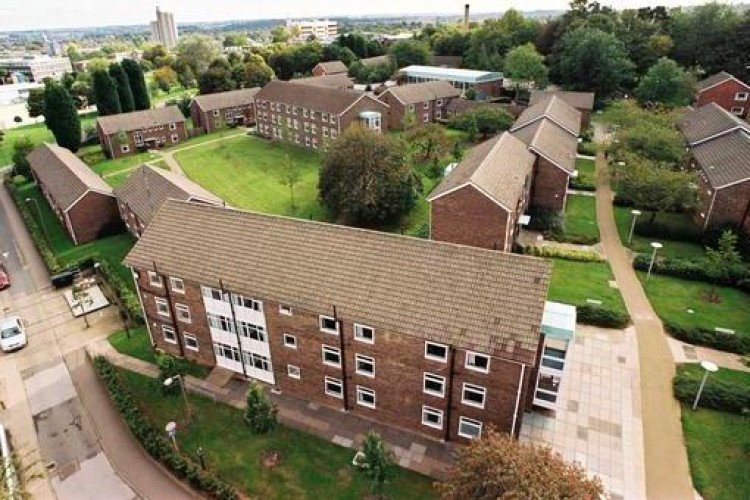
45 14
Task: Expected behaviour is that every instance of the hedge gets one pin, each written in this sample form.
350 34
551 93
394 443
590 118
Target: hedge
563 253
605 317
693 270
730 342
128 298
50 259
718 393
154 442
587 148
656 229
583 183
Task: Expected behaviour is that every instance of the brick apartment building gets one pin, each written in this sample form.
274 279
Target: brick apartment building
330 68
432 337
212 112
80 199
725 90
309 115
128 133
480 202
148 188
337 81
427 101
582 101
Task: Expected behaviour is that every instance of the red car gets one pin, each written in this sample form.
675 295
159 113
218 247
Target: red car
4 278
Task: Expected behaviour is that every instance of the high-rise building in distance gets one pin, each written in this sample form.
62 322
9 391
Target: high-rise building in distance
324 31
164 30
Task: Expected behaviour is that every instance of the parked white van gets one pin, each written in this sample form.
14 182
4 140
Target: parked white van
12 334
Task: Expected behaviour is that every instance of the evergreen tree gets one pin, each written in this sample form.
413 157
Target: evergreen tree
61 116
105 94
137 84
123 87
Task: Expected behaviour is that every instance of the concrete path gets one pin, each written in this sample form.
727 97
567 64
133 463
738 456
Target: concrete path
667 469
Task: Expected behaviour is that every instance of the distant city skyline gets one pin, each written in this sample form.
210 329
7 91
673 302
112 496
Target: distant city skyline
51 14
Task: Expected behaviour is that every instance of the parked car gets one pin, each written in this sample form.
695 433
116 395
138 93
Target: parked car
12 334
4 278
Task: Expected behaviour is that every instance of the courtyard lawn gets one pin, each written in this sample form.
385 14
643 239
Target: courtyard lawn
580 217
672 248
36 132
105 167
718 446
575 282
672 297
586 172
310 467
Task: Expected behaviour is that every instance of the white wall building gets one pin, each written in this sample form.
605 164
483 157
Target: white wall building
164 30
323 30
34 68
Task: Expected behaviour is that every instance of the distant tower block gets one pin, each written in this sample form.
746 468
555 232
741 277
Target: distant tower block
466 16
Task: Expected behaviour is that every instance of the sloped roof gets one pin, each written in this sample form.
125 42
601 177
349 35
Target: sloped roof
498 167
709 121
464 296
413 93
337 81
148 187
138 120
230 99
333 67
325 99
716 79
726 159
64 175
553 108
546 138
375 61
579 100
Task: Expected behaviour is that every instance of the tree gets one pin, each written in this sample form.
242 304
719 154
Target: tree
701 36
165 78
185 75
256 72
260 413
291 173
218 78
377 463
488 120
280 34
105 94
428 142
198 51
154 53
235 40
490 42
665 83
21 148
525 64
124 93
499 466
183 103
409 52
655 142
97 64
366 179
35 103
361 46
722 262
137 84
335 52
282 63
61 116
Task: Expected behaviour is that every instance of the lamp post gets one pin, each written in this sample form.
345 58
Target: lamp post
709 367
635 213
168 383
39 214
656 246
171 429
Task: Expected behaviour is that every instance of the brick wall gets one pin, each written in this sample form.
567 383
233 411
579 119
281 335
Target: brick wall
731 205
92 213
209 122
130 219
550 186
724 95
159 136
398 110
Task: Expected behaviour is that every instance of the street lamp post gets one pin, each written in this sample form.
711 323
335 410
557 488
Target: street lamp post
168 383
635 213
709 367
656 246
171 429
39 214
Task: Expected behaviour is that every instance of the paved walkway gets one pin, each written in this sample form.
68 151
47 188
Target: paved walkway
667 470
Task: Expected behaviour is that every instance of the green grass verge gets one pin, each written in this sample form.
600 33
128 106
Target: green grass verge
672 248
36 133
580 217
310 468
718 446
575 282
586 172
108 167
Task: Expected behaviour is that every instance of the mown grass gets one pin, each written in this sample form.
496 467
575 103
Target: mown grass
580 217
576 282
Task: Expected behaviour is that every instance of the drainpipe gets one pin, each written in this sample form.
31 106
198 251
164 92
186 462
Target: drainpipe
171 312
236 327
449 389
344 383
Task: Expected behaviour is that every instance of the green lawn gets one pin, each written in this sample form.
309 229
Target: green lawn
586 172
575 282
36 132
580 217
138 345
104 167
672 248
672 297
718 446
310 467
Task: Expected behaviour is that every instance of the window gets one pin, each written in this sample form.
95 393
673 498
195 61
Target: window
426 105
212 293
329 325
333 119
242 301
293 371
365 365
364 333
257 361
251 331
307 142
439 102
334 387
438 113
227 351
325 131
469 428
738 110
432 417
425 117
191 341
172 126
315 143
175 137
169 334
285 310
154 279
294 110
477 362
304 112
183 312
307 126
161 306
290 341
434 385
411 107
473 395
365 397
296 124
325 117
435 351
177 285
220 322
741 96
331 356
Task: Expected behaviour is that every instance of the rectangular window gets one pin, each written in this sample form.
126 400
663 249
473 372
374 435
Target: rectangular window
191 341
364 333
333 133
477 362
294 111
328 325
307 142
125 149
154 279
175 137
325 117
331 356
306 127
434 385
285 310
251 331
315 143
183 313
365 365
432 417
439 102
426 105
304 112
212 293
172 126
365 397
469 428
169 334
220 322
435 351
738 110
426 118
177 285
740 96
242 301
257 361
290 341
293 371
334 387
473 395
161 306
227 351
325 131
333 119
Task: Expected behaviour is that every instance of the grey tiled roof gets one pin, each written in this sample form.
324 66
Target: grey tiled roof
138 120
498 167
333 67
709 121
64 174
337 81
468 297
716 79
230 99
726 159
147 188
579 100
325 99
547 139
413 93
553 108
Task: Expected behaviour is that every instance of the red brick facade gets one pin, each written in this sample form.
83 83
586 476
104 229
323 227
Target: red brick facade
728 205
550 186
732 95
424 112
163 135
217 119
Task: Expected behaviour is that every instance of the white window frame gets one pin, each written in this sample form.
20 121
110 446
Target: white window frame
173 126
285 310
425 117
125 148
177 288
290 341
737 110
328 330
439 102
182 311
737 96
216 112
432 357
293 371
426 105
162 303
154 279
358 329
164 329
472 355
366 390
334 381
434 378
175 138
470 422
477 389
366 360
189 337
330 350
429 409
252 331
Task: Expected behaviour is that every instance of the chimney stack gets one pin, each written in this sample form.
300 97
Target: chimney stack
466 16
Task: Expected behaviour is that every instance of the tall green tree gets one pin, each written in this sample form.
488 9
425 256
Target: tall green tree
291 174
61 116
21 149
260 413
105 94
35 102
198 51
218 78
665 83
256 73
525 64
378 463
702 34
410 52
722 261
124 92
138 86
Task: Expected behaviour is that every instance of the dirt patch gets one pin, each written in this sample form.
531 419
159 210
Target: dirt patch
270 458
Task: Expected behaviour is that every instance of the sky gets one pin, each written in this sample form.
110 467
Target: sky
46 14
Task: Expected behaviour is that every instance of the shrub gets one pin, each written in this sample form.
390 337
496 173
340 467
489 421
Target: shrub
665 231
168 368
421 231
546 220
40 241
260 413
128 299
718 394
563 253
693 270
578 239
712 236
583 183
592 314
731 342
587 148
